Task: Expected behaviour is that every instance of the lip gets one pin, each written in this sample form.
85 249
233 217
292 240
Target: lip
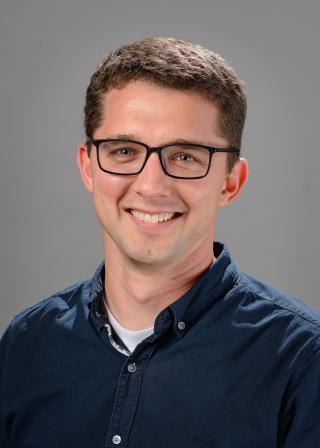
153 227
152 212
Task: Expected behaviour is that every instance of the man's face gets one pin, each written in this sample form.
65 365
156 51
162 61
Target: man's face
156 116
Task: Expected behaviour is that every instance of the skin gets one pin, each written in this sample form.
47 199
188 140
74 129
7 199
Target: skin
150 265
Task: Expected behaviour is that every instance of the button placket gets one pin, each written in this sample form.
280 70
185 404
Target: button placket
127 397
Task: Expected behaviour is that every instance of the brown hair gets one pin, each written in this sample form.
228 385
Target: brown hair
177 64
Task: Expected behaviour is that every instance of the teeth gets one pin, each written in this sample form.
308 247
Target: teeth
152 218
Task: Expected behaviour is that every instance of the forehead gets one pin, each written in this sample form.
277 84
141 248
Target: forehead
142 107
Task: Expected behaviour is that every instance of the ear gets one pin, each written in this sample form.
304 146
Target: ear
234 182
84 165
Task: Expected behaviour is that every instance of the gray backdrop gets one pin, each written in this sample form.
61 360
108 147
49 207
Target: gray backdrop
48 50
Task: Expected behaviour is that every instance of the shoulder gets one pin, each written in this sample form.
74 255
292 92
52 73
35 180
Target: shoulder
288 317
49 310
278 330
279 300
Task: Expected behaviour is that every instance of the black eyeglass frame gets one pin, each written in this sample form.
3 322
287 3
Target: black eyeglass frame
158 149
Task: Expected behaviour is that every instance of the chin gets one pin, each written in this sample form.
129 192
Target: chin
150 256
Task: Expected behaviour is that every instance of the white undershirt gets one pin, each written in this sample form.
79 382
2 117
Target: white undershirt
129 337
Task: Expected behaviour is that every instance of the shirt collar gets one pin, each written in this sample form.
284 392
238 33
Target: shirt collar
96 297
209 288
213 284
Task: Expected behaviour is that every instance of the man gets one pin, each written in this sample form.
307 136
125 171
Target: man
168 345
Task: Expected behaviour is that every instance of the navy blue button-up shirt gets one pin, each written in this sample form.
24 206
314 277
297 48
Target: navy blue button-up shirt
233 363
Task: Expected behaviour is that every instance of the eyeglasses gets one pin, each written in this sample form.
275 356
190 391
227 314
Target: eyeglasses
178 160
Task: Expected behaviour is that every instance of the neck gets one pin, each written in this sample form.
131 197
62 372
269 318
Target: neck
136 294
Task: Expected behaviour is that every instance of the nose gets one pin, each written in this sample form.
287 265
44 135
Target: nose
152 181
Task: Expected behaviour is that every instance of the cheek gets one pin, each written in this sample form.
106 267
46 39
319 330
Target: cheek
111 185
108 190
203 198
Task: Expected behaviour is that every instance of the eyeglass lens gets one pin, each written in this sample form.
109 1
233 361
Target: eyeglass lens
178 160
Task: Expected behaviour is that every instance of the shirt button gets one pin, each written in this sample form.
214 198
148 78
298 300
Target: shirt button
132 367
181 325
116 439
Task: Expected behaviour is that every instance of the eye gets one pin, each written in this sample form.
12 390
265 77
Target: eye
184 157
126 151
123 151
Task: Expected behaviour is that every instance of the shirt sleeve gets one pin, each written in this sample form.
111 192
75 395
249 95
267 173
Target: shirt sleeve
301 417
4 437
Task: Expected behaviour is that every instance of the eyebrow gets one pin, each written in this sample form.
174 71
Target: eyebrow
122 137
173 142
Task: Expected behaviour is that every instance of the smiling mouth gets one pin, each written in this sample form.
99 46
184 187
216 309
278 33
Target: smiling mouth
153 218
